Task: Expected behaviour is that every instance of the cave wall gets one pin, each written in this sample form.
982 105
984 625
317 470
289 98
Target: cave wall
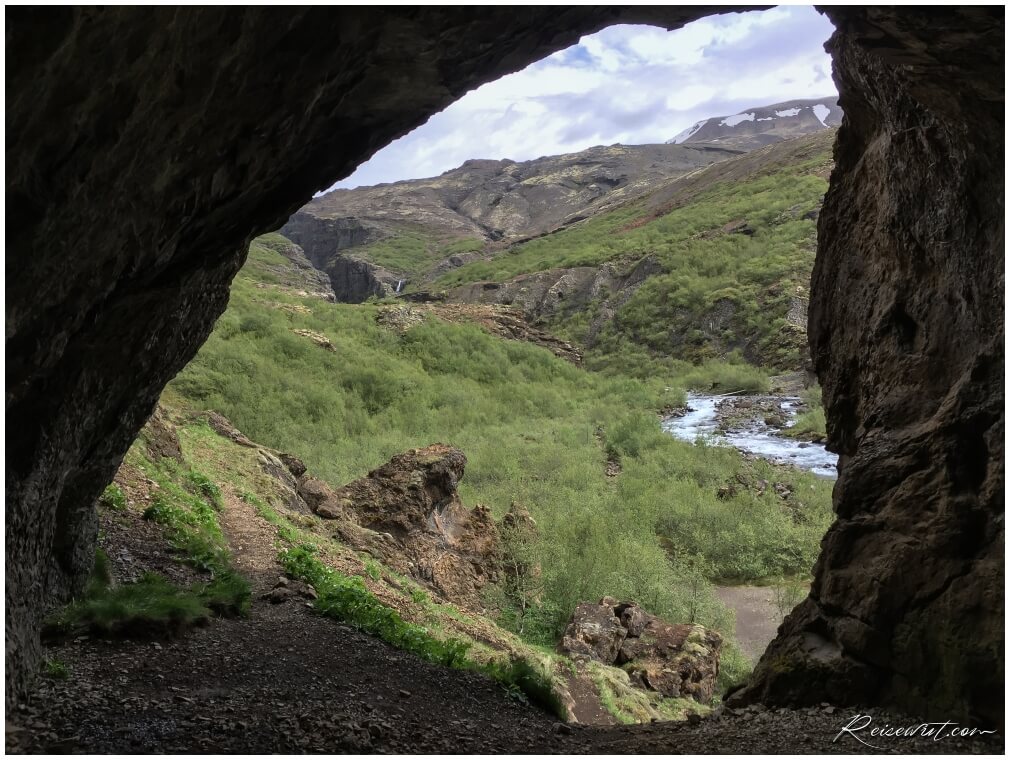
146 146
906 332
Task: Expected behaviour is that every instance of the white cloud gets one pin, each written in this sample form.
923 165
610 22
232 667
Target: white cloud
629 84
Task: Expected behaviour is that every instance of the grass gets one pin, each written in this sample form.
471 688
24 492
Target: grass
113 498
347 599
55 669
412 250
811 424
629 705
150 607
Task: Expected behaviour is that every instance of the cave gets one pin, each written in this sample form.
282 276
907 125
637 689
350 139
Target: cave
138 172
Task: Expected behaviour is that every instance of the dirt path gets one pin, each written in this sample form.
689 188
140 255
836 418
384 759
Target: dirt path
252 541
757 617
586 707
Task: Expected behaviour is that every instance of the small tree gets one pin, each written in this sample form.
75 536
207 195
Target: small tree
522 579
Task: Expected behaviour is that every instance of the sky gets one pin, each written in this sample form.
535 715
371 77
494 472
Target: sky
626 84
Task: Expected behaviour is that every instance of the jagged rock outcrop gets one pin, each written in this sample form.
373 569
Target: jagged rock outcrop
355 280
504 322
352 278
408 514
675 660
542 295
139 166
906 331
300 274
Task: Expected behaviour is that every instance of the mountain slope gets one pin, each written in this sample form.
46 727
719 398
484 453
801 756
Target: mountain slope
642 254
714 265
756 127
408 227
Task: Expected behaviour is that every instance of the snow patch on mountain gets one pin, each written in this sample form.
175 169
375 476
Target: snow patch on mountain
788 112
821 111
732 121
687 133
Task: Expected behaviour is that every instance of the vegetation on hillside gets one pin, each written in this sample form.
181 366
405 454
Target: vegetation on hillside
185 502
537 431
734 255
411 250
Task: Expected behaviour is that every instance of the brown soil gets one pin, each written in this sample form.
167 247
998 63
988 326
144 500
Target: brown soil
586 707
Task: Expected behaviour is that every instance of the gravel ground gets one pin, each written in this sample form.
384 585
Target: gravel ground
285 680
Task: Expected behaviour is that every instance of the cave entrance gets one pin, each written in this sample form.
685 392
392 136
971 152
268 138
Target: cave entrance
906 288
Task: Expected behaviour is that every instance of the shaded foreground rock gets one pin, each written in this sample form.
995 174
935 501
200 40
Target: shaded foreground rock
674 660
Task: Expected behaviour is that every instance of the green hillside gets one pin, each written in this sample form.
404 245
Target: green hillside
735 244
348 393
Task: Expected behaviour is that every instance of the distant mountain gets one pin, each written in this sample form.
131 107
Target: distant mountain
764 125
374 240
491 199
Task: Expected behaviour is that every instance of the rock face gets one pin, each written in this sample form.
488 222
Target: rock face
147 146
674 660
355 280
301 274
408 514
352 279
493 200
906 331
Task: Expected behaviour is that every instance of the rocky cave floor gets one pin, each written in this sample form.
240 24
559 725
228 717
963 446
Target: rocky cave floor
284 680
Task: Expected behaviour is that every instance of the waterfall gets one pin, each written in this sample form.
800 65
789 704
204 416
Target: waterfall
399 284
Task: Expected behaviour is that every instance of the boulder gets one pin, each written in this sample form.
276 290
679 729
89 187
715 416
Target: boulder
408 514
160 438
594 631
674 660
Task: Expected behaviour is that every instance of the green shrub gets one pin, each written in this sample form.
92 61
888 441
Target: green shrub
150 607
205 487
56 669
113 498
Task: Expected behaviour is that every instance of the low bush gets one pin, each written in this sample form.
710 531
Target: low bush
113 498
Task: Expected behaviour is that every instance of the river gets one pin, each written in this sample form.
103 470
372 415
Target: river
754 437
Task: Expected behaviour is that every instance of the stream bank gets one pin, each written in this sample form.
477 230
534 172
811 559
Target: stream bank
757 433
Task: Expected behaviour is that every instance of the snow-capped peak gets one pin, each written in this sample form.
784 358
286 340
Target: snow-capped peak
687 133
